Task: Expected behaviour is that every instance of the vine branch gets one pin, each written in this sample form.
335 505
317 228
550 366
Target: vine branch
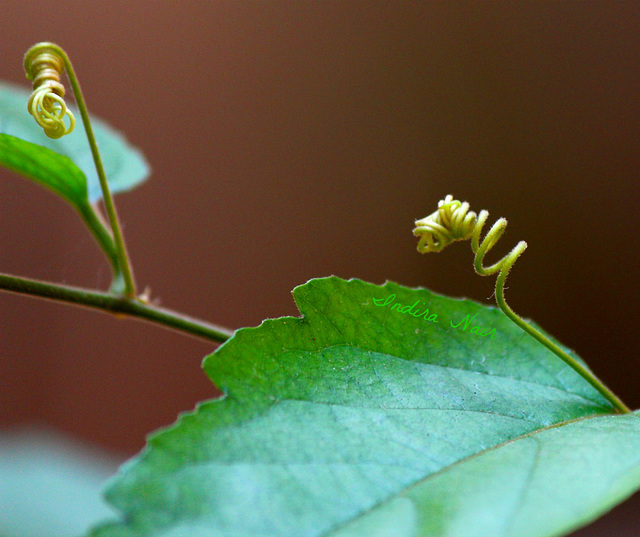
44 64
118 305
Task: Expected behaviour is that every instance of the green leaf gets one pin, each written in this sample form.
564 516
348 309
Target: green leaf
46 167
124 165
365 419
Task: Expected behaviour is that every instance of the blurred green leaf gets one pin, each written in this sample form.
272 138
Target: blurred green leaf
50 485
362 420
46 167
124 165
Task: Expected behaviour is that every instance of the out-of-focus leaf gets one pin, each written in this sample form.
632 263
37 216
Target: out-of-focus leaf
46 167
124 165
49 485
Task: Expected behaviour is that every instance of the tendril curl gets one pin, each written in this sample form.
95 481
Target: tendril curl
44 65
453 221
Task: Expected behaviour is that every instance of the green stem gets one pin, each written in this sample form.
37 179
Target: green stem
121 250
100 233
569 360
115 304
104 238
504 266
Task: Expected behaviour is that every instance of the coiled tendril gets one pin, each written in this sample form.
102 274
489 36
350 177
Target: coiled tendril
453 221
44 64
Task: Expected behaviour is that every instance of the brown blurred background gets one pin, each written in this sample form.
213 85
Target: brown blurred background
290 140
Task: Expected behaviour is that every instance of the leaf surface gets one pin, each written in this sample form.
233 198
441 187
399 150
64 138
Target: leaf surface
124 165
365 419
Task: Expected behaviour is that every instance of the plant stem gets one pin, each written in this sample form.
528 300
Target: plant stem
118 305
121 250
569 360
101 234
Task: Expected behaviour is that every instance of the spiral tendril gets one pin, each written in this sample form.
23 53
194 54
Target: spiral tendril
453 221
44 65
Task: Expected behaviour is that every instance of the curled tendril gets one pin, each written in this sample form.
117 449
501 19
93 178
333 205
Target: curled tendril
44 64
453 221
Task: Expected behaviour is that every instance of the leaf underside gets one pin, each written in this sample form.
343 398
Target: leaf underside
360 420
124 165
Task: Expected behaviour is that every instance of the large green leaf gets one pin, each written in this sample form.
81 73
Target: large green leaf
360 419
124 165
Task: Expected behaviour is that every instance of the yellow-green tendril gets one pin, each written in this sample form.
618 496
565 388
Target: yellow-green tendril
53 58
44 65
453 221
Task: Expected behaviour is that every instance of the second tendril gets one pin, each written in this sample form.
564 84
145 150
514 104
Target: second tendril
44 65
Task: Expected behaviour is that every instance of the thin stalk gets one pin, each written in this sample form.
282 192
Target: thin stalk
104 238
588 375
101 234
121 250
117 305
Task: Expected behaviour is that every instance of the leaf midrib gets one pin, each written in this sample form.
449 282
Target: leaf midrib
601 403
